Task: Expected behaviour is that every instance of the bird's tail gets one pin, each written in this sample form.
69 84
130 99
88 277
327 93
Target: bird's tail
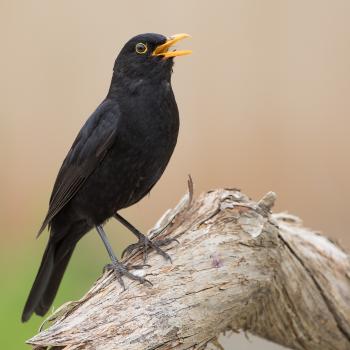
47 281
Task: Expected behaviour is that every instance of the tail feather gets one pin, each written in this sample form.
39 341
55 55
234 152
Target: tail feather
40 283
47 281
54 282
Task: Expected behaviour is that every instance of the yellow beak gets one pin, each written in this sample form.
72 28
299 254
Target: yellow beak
162 50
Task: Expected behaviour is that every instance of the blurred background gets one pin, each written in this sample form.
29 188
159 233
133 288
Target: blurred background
264 102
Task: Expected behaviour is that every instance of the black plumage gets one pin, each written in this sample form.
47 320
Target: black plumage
117 157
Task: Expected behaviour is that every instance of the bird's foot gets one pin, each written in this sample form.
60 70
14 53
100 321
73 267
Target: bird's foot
145 243
120 270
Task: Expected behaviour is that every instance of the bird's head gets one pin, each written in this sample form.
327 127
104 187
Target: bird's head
149 56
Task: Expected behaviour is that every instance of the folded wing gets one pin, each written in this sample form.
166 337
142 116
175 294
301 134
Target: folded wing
87 152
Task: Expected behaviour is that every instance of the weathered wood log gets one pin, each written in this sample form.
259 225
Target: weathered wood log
237 266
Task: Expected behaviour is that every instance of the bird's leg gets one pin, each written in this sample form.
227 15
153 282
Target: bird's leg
144 242
119 269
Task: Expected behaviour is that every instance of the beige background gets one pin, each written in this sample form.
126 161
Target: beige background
264 103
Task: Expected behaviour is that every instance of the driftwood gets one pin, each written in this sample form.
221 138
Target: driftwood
236 267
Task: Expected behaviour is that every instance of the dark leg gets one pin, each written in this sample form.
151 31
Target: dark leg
119 269
144 242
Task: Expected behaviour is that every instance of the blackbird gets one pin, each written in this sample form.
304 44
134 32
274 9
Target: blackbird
117 157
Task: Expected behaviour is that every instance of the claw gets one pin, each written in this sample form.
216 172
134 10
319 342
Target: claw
121 270
145 242
129 249
137 267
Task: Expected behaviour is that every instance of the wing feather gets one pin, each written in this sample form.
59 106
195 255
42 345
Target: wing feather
88 150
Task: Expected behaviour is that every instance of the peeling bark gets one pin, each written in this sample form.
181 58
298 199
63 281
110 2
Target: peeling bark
236 267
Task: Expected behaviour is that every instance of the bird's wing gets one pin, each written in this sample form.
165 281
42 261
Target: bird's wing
88 150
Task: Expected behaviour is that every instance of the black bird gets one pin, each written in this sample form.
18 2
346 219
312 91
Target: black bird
117 157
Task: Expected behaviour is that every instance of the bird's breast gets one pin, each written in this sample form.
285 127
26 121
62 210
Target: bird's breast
151 119
143 147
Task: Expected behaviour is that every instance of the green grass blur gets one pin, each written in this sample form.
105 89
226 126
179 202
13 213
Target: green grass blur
18 266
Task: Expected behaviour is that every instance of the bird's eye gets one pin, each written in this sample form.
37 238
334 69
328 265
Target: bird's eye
141 48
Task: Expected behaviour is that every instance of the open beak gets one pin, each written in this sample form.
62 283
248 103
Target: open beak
163 50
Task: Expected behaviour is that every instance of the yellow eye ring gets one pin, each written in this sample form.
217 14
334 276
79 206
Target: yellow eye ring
141 48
